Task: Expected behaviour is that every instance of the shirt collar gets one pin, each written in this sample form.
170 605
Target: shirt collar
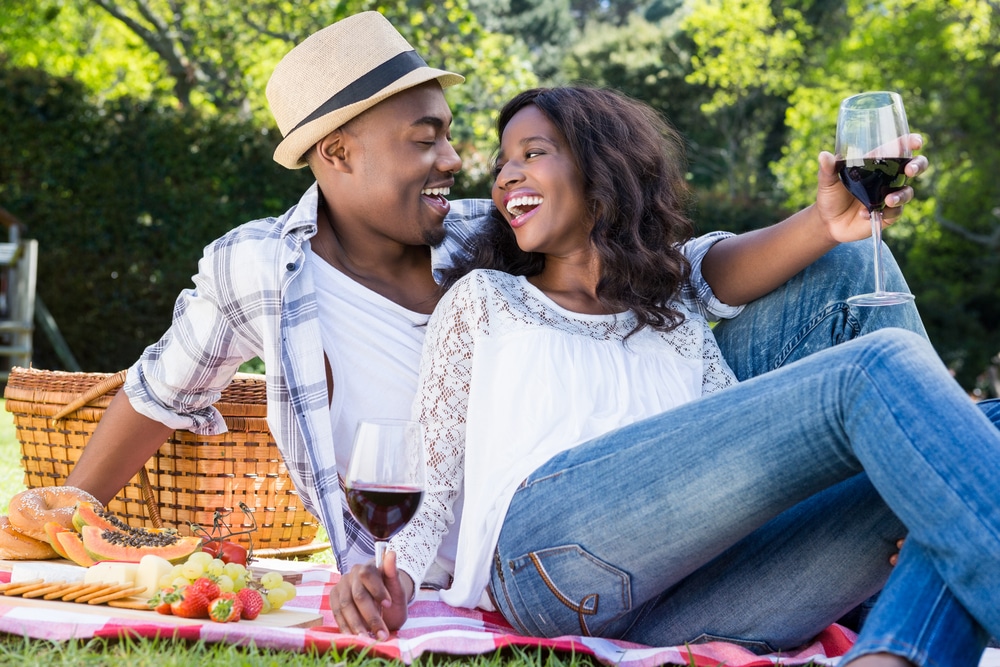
301 218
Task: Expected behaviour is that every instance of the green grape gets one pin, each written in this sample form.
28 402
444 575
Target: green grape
277 597
192 569
202 557
235 570
226 584
270 580
215 567
288 588
180 581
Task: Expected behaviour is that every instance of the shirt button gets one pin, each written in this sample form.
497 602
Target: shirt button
290 266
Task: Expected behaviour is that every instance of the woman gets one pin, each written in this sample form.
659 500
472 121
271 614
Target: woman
610 475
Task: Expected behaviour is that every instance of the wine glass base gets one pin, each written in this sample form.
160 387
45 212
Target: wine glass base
880 299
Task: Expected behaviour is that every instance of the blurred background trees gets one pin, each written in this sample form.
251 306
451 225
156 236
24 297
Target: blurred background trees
136 131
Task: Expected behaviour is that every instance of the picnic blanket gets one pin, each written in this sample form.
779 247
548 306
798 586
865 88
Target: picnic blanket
433 627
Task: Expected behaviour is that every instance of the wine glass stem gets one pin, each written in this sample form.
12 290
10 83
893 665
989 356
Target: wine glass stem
380 547
876 219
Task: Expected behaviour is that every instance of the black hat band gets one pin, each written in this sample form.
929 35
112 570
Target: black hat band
366 86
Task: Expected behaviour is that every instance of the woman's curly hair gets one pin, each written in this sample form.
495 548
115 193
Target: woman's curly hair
632 163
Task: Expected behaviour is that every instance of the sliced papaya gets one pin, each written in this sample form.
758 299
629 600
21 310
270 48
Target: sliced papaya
52 529
72 544
88 514
130 546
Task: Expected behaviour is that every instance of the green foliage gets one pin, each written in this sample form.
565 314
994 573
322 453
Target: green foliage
124 192
216 57
734 38
650 61
11 472
122 198
749 58
943 57
545 26
75 38
614 13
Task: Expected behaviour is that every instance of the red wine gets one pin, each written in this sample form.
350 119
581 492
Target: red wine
872 179
383 510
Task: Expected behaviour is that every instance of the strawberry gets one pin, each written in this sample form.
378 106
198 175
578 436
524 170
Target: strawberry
161 601
206 586
253 603
226 608
193 599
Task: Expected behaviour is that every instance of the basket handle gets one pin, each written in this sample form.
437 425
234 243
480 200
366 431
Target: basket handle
100 389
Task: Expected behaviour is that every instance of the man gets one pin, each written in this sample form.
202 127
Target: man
332 294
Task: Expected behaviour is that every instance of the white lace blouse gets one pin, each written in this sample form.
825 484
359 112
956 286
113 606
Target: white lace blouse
508 379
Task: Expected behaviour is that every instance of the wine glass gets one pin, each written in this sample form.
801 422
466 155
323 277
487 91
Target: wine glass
872 152
385 477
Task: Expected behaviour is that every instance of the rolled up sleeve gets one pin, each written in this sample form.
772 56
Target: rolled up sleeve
698 294
178 378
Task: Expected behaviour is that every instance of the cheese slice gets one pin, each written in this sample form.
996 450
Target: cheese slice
111 572
151 570
47 571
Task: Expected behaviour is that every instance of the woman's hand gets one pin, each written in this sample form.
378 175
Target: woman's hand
845 217
368 602
742 268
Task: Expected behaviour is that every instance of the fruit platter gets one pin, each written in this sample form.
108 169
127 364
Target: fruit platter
201 578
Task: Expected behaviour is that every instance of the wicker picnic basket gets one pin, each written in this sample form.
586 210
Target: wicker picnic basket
191 476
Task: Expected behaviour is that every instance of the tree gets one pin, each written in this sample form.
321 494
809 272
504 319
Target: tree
545 27
216 56
749 57
128 188
611 13
75 38
943 56
649 61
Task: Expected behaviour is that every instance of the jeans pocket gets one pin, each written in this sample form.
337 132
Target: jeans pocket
566 590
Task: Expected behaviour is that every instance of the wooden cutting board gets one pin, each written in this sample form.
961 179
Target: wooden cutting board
280 618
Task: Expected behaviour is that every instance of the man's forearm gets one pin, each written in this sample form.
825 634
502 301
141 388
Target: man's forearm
122 443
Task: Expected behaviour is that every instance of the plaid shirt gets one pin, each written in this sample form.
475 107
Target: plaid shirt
251 298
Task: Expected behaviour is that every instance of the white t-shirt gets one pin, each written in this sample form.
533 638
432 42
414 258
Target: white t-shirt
508 379
370 342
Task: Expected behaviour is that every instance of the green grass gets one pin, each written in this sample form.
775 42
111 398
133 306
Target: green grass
164 653
16 650
11 473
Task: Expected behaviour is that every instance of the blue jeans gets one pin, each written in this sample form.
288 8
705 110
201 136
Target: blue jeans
752 515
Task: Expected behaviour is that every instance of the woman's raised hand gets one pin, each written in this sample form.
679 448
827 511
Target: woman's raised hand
845 217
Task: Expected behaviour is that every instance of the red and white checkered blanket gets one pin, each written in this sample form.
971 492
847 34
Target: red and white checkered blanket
433 627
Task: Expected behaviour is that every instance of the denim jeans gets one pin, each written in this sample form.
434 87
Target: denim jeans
752 515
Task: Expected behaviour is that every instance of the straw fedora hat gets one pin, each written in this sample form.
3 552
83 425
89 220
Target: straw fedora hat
337 73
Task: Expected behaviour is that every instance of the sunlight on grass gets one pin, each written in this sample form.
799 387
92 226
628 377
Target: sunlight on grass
138 652
11 472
